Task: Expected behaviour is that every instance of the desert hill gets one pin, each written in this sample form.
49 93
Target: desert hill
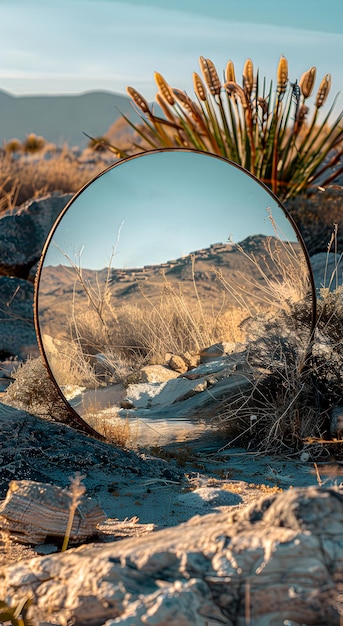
211 270
61 119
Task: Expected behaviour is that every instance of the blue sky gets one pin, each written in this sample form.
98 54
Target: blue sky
160 207
72 46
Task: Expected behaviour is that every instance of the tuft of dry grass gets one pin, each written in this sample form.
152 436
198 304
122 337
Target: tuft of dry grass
117 430
76 491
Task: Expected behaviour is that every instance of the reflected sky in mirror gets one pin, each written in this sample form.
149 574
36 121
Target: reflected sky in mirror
162 206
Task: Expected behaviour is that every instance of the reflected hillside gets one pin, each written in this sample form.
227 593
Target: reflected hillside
222 275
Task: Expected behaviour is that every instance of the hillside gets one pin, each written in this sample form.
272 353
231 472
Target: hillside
61 119
219 272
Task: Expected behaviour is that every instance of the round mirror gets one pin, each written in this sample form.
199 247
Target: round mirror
148 288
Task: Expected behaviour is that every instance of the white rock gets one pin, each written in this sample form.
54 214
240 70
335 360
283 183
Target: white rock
145 395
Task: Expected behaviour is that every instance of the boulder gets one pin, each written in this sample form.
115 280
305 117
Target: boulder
177 363
152 374
23 233
221 349
17 333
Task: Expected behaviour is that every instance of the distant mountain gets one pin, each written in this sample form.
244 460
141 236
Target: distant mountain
61 119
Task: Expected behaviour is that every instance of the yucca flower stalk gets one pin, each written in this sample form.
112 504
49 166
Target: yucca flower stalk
267 129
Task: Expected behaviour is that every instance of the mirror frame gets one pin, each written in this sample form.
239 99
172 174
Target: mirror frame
76 421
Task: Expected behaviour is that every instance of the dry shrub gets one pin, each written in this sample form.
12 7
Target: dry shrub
69 363
327 352
279 277
34 392
33 143
296 384
169 326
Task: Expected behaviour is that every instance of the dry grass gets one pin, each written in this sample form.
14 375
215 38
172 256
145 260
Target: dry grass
69 363
32 176
76 491
130 336
117 430
281 278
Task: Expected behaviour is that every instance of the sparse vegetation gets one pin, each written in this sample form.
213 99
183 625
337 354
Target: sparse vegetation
268 129
33 143
130 336
34 175
277 332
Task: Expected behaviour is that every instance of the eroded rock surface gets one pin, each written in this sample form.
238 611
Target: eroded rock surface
278 559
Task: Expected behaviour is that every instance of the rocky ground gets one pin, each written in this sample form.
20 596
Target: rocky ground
239 506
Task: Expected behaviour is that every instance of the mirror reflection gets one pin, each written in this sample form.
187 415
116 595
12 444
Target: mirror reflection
147 289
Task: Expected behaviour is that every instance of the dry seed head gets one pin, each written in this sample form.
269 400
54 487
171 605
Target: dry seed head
307 80
138 99
188 104
323 91
210 75
181 96
164 88
76 489
230 75
233 88
199 87
248 76
162 104
282 75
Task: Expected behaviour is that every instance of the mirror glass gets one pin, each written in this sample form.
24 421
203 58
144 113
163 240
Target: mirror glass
146 287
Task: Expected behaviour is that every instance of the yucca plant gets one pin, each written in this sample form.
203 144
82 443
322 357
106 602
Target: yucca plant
267 129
